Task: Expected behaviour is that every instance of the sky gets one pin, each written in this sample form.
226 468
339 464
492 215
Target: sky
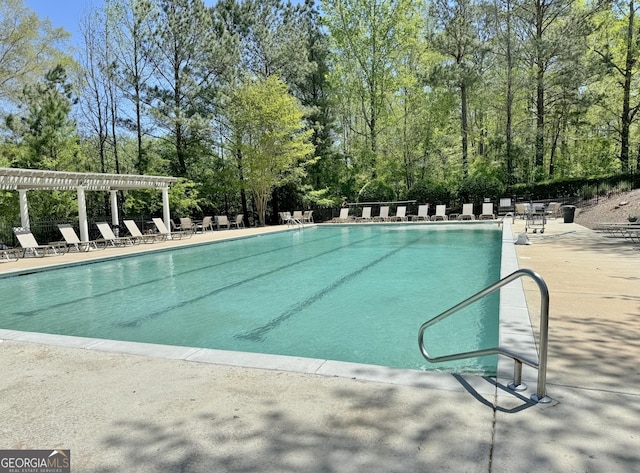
66 13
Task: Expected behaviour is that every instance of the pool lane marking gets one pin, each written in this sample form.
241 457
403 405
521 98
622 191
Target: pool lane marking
166 310
30 313
258 333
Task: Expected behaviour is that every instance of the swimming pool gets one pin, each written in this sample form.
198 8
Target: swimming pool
348 293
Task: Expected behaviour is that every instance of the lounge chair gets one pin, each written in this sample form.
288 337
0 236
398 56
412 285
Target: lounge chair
222 221
163 230
238 221
366 215
206 224
297 215
441 213
401 214
553 209
307 217
137 235
110 239
9 254
467 212
30 245
187 225
344 216
71 238
384 214
423 213
487 212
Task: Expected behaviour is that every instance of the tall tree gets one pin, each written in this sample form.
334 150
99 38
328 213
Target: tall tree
190 58
271 137
29 47
368 38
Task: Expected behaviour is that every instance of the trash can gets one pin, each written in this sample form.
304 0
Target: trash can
568 213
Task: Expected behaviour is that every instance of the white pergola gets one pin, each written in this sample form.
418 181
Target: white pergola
23 180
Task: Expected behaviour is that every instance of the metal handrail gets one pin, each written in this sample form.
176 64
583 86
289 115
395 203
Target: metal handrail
541 365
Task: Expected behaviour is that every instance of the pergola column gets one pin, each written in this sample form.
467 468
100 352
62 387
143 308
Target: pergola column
82 215
24 208
115 218
166 214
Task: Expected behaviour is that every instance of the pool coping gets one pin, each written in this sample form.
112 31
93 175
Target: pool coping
515 333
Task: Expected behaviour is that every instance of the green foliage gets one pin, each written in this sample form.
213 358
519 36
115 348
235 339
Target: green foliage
427 191
272 143
183 198
376 191
476 188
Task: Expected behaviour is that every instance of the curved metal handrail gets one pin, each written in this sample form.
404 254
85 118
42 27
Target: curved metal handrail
541 365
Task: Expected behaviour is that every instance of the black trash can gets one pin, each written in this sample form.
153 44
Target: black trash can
568 213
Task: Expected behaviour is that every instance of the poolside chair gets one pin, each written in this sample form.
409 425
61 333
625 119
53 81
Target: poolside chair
553 209
384 214
297 215
423 213
487 212
366 215
9 254
344 216
222 221
163 230
30 245
401 214
238 221
109 238
467 212
441 213
307 217
71 238
137 235
206 224
186 225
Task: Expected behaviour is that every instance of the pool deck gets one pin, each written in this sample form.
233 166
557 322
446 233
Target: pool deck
169 412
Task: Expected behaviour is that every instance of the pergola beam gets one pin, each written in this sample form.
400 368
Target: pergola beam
23 180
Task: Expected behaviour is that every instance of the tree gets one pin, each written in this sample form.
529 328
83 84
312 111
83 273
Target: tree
28 48
49 134
270 137
368 42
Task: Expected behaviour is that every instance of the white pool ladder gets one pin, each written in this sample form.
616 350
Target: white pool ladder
517 384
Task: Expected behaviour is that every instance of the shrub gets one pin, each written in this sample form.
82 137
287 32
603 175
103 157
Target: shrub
376 191
429 191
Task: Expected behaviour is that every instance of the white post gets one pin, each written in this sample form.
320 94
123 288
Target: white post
166 214
82 215
114 212
24 208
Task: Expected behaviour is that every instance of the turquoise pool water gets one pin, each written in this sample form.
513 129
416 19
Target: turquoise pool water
354 293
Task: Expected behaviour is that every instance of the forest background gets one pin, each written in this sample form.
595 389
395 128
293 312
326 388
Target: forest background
260 106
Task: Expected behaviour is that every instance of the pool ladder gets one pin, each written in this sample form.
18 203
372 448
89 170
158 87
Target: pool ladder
517 384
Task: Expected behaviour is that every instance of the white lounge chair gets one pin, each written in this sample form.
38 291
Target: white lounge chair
222 221
109 238
206 224
423 213
71 238
366 215
467 212
163 230
137 235
30 245
441 213
187 225
344 216
307 217
384 214
297 215
487 212
401 214
238 221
